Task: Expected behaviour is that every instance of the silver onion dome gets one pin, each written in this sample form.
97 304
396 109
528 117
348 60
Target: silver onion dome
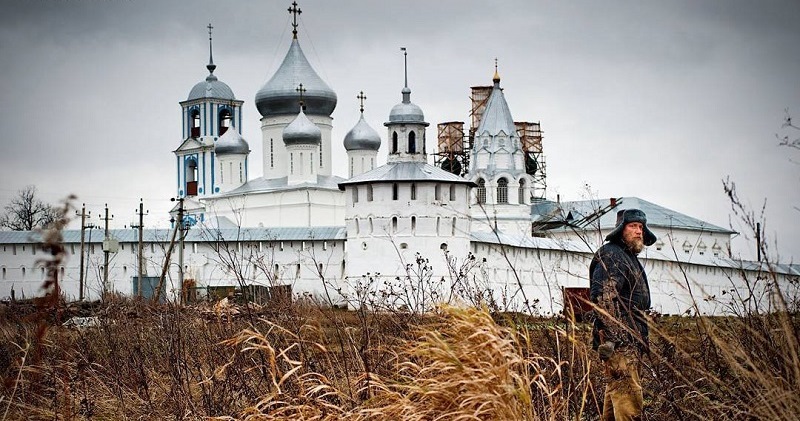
362 137
231 143
406 111
279 96
211 88
301 131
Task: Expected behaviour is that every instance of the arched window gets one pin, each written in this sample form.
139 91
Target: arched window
195 123
394 142
394 191
358 228
453 227
413 225
481 193
224 120
355 194
191 177
502 190
452 192
413 191
369 193
412 142
437 192
438 224
394 224
522 191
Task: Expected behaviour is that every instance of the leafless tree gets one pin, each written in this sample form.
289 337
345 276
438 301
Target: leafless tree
26 212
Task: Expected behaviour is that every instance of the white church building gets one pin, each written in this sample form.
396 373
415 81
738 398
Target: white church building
408 234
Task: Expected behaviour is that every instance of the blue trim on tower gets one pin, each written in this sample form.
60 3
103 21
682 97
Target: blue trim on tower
183 124
178 171
204 169
213 173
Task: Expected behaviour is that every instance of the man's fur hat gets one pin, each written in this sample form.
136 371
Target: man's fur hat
626 216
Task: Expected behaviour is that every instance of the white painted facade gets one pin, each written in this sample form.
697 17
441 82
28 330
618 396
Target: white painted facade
337 239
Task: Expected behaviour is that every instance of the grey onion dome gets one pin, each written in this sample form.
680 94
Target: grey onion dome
406 111
211 88
301 131
279 96
362 137
231 143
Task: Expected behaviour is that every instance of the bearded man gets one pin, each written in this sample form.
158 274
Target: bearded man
621 295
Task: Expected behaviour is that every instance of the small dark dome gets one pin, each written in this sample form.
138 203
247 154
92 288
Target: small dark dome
231 143
362 137
302 131
279 96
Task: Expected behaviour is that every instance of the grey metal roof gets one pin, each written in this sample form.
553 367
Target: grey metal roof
657 216
406 171
529 242
231 143
195 234
261 185
279 96
497 116
211 88
406 112
362 137
301 131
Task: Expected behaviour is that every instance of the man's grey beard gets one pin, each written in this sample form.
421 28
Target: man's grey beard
636 245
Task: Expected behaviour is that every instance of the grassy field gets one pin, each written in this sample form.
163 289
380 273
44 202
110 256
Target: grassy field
308 362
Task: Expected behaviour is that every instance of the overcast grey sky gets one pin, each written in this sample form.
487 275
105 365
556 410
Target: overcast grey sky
659 100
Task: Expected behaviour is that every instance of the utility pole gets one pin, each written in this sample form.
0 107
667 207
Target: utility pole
140 226
90 226
83 244
180 249
106 251
178 226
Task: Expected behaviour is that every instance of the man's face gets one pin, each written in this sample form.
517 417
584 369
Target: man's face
632 236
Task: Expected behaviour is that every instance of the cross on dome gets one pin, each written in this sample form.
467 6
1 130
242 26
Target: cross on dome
301 90
361 97
294 11
211 66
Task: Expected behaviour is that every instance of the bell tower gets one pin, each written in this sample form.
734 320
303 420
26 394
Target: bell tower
209 111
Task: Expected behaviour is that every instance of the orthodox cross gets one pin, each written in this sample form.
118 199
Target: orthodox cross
211 65
301 90
294 10
361 98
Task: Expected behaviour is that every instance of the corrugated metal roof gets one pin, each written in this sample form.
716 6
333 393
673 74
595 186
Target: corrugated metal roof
195 234
530 242
405 171
259 185
657 216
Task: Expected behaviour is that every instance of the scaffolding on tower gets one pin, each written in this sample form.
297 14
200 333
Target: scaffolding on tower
453 146
530 136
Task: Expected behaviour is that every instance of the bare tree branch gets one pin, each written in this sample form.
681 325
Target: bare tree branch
26 212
